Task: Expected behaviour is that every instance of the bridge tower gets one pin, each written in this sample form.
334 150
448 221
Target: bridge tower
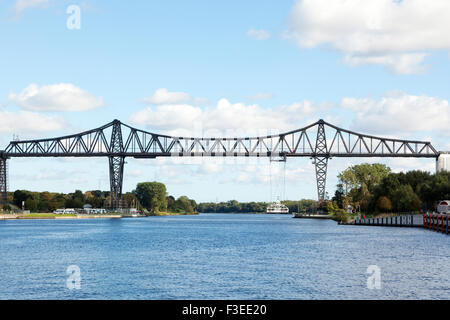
321 161
116 164
3 179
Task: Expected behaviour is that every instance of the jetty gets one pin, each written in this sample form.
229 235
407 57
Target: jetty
437 222
412 220
434 221
311 216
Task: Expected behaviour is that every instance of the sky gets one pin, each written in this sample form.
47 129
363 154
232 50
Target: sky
220 68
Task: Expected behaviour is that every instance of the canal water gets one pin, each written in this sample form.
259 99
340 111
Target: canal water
220 256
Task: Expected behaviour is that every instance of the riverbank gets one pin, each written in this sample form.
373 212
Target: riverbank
312 216
161 214
38 216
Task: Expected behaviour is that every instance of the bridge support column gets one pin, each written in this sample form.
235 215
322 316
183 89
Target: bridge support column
321 177
3 180
321 161
116 165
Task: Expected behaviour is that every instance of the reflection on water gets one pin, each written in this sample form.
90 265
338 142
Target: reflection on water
218 256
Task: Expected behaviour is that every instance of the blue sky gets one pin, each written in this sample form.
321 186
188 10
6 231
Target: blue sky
255 59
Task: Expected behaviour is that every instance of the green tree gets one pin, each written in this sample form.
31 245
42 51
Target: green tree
368 174
364 197
152 196
31 204
404 199
184 204
21 195
339 195
384 204
170 203
131 199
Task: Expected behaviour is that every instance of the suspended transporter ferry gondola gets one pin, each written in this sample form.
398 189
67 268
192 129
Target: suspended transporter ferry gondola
277 207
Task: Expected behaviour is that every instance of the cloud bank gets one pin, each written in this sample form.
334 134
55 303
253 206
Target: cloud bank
395 34
56 97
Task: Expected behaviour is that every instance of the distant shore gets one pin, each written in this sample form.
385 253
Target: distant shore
50 216
160 214
54 216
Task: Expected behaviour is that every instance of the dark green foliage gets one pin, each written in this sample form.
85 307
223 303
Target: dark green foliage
182 204
341 216
401 192
339 195
20 196
152 196
405 199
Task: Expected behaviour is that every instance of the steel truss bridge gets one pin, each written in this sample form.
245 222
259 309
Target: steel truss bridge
319 141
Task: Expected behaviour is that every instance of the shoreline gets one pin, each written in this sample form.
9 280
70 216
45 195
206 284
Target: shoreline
312 216
49 216
56 217
163 214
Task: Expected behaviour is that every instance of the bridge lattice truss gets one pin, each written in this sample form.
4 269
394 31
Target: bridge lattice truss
115 140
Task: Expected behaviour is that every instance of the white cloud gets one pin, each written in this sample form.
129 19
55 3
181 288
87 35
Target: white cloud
22 5
56 97
396 115
270 173
26 121
227 119
407 63
408 164
396 34
163 96
167 117
260 34
398 112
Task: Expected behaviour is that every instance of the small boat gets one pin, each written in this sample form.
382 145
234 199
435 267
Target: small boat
277 207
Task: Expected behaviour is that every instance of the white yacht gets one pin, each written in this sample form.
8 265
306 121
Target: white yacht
277 207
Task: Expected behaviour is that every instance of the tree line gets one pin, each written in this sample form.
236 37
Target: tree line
149 197
373 188
234 206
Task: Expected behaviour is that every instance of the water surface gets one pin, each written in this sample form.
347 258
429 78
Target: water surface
220 256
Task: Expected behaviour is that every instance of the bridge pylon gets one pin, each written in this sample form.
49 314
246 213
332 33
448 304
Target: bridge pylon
321 161
3 179
116 166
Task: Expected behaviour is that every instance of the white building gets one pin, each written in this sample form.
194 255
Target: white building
443 162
